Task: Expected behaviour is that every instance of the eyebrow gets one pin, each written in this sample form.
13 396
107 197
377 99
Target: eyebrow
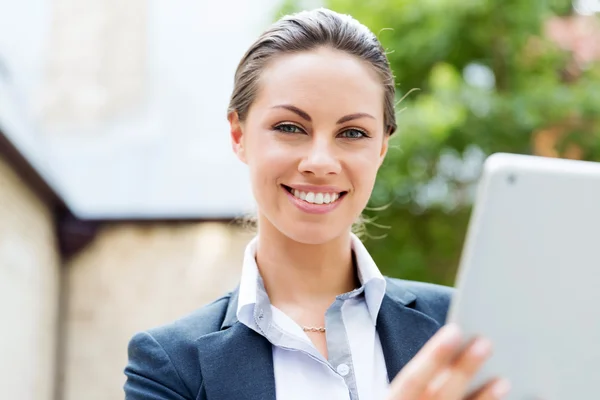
296 110
304 114
350 117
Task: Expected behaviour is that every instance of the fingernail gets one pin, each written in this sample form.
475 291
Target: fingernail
482 347
451 334
501 388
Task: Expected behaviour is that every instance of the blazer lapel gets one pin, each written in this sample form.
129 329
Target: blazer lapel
402 330
236 362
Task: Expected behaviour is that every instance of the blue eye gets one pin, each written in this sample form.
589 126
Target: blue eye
288 128
353 134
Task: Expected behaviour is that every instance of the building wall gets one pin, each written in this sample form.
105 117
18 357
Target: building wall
133 277
29 289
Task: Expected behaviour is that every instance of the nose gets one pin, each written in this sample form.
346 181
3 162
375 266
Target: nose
321 158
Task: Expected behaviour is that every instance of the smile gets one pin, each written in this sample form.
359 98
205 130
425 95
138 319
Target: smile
315 197
315 201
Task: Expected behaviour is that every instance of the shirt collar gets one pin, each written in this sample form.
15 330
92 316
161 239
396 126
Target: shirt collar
370 277
372 281
250 277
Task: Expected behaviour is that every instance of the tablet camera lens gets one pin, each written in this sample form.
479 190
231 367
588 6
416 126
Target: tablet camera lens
511 179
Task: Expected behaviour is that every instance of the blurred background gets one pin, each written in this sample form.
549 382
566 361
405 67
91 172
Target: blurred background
119 193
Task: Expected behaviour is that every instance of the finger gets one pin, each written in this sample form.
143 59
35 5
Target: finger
464 369
432 359
494 390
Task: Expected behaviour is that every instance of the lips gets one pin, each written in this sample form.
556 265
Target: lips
315 196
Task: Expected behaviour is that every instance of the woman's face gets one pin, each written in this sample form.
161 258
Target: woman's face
313 140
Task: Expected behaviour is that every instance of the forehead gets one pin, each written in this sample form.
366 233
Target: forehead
324 80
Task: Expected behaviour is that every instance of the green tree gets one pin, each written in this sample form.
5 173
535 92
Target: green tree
489 79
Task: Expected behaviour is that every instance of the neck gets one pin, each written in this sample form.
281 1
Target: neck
303 273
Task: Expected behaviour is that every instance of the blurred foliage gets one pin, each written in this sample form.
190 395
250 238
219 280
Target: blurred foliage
490 80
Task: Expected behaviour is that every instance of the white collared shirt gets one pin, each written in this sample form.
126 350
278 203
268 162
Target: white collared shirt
356 367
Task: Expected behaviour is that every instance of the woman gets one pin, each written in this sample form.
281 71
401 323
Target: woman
311 114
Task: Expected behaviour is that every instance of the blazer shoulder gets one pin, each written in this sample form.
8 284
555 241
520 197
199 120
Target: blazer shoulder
431 299
205 320
424 289
169 352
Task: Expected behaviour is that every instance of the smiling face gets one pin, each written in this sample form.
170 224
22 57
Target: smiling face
313 140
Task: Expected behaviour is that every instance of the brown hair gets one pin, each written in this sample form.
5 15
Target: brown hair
306 31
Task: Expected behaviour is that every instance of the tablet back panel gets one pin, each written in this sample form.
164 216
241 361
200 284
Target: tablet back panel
529 277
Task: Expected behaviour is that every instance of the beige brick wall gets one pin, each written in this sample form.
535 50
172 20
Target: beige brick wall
133 277
29 279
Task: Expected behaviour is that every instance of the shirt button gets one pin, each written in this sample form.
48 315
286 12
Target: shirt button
343 369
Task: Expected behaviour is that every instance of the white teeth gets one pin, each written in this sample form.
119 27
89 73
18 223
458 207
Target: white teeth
319 198
316 198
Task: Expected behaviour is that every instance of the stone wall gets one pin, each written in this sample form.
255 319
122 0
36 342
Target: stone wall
133 277
29 291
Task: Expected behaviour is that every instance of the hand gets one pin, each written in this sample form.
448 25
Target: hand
438 373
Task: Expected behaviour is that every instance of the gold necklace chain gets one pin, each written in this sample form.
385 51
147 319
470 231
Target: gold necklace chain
313 329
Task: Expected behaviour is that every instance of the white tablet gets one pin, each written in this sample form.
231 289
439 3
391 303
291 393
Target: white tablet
529 277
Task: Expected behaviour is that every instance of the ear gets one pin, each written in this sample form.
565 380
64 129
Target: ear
237 136
384 148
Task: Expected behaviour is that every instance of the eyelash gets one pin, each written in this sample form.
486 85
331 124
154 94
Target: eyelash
279 127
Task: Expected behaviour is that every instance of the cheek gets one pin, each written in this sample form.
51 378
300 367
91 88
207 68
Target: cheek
267 159
364 169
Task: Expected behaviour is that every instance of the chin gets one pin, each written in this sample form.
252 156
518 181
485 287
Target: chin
303 228
312 233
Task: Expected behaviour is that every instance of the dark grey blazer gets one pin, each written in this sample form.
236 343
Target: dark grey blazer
209 355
